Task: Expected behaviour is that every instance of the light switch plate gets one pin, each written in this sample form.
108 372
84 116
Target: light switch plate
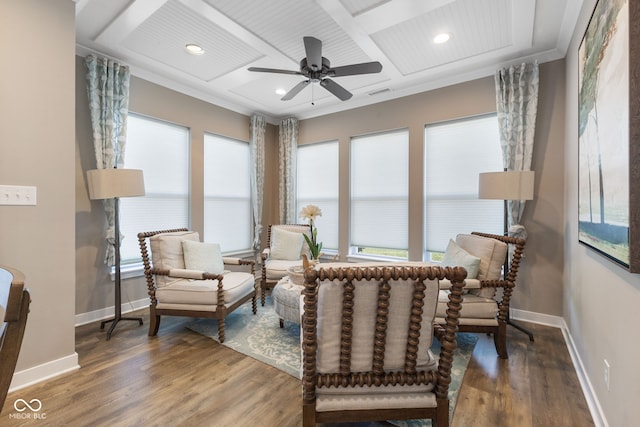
17 195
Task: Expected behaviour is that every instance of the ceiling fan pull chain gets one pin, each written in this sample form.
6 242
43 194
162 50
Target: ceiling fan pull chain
312 95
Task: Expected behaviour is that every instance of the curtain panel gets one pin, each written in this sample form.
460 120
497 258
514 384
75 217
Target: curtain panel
288 132
517 105
256 144
108 93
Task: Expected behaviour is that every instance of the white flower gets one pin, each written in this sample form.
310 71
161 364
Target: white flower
310 212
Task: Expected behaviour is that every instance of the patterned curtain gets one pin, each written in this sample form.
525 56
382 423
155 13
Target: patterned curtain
256 144
288 146
108 92
517 104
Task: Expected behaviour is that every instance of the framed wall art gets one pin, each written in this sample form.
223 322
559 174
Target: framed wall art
609 133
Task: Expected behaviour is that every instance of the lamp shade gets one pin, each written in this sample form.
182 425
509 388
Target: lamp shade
507 185
112 183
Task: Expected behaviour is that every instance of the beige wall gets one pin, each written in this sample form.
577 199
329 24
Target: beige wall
539 288
601 300
37 45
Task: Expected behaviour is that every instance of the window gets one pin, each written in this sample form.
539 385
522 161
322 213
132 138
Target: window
317 184
227 193
451 204
161 150
379 194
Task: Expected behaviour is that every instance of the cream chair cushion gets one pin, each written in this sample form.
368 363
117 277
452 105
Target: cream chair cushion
190 294
478 303
277 268
330 322
169 245
286 245
491 252
203 256
456 256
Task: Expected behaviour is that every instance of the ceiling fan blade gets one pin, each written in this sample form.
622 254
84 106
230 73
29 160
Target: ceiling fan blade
335 89
350 70
274 70
313 49
295 90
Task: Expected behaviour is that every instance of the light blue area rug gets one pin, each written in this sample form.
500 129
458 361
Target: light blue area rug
260 337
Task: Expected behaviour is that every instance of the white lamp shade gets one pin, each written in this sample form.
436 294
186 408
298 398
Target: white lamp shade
507 185
112 183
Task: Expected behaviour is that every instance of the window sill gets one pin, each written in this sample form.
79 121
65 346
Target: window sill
128 271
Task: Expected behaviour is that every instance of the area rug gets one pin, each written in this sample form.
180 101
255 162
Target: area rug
260 337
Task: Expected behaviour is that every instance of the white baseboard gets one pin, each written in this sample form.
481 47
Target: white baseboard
36 374
587 389
597 413
105 313
539 318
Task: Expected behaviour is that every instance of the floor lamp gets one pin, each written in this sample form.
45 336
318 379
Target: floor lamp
113 184
507 185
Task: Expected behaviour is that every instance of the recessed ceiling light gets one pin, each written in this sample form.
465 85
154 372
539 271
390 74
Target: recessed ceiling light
194 49
280 91
441 38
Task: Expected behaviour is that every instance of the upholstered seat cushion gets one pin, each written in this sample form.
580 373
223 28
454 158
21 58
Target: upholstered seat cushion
277 268
337 402
205 292
473 306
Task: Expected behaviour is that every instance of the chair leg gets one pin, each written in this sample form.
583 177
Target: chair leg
500 340
263 290
254 306
221 330
442 414
308 415
154 322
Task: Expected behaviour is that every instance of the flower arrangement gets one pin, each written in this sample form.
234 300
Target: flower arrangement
311 212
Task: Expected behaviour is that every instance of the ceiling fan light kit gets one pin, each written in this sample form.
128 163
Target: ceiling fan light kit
317 69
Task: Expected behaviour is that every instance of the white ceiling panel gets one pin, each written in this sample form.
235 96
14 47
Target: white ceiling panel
163 36
475 28
150 36
356 7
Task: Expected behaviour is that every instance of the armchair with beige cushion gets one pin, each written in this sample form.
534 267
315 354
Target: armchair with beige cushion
366 338
186 277
284 249
484 310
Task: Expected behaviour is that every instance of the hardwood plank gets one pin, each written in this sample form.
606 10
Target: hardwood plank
181 378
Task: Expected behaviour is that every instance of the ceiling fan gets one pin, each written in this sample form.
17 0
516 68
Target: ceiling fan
316 68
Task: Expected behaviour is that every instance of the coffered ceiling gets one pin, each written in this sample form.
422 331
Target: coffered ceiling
150 36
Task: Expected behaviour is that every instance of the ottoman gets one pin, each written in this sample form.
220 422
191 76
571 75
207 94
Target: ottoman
286 300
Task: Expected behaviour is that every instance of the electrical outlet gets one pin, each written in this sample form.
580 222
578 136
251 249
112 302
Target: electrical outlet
607 374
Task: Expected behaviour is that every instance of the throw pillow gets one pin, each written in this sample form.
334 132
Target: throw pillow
203 256
456 256
285 245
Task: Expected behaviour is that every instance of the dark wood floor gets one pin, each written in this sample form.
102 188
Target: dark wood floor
181 378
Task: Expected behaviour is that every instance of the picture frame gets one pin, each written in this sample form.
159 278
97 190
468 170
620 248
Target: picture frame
609 133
